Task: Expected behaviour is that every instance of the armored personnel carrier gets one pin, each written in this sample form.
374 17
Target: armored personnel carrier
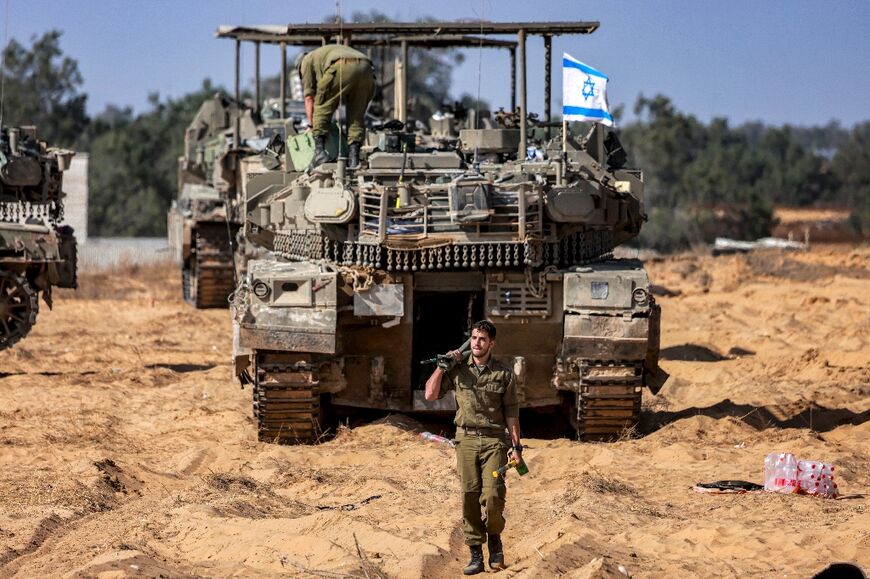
204 219
36 253
367 272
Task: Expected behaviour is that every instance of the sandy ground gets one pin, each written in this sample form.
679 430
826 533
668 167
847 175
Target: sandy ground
125 449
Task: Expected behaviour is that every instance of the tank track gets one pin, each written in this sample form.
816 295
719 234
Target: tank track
608 403
208 279
286 399
19 304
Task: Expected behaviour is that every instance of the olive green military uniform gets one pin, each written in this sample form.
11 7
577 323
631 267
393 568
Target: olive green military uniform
484 400
333 74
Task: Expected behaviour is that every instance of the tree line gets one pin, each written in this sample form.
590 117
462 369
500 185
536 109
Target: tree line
702 179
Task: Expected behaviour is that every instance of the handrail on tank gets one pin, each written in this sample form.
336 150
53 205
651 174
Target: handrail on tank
407 34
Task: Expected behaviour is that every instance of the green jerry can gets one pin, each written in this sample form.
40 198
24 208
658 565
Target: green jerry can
301 148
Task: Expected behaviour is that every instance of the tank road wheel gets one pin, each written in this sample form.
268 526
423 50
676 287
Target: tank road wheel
286 399
608 404
211 267
18 308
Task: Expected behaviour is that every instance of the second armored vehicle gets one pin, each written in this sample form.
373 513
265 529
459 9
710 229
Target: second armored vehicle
204 219
36 253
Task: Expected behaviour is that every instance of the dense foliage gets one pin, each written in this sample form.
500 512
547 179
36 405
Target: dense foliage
134 164
708 180
703 179
851 166
41 88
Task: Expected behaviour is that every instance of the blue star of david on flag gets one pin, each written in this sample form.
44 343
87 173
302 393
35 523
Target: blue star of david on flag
588 88
584 92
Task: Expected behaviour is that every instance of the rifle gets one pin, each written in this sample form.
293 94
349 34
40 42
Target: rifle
444 357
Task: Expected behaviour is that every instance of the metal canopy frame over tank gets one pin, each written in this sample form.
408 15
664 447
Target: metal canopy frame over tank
406 35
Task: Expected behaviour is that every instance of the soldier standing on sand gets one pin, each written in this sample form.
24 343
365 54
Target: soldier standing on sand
330 75
486 404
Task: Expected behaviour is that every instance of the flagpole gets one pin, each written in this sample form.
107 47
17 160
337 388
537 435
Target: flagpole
599 143
564 135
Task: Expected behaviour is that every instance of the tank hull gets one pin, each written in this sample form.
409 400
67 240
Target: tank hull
363 343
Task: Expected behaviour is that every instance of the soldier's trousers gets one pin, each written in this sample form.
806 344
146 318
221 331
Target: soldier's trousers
483 496
348 81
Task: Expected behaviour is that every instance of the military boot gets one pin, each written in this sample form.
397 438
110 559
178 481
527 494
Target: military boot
353 155
496 552
474 566
320 154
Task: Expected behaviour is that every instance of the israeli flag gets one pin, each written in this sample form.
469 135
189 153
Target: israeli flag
584 92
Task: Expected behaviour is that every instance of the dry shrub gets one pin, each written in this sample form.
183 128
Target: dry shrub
598 483
55 490
224 481
87 425
235 495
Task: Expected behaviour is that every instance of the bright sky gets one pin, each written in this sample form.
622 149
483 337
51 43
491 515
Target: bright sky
796 62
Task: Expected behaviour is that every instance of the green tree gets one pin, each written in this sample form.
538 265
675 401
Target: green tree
702 181
822 140
792 175
663 142
42 89
134 164
851 166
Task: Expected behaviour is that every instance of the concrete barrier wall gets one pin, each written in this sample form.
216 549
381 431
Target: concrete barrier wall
98 253
75 185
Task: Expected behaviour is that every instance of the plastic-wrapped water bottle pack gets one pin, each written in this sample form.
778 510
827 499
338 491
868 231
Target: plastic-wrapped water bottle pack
783 473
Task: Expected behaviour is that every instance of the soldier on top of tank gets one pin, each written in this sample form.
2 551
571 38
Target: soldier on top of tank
330 75
486 406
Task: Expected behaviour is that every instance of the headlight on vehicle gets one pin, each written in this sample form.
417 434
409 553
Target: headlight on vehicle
640 296
261 290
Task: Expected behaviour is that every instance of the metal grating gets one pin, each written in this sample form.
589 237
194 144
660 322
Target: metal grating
517 299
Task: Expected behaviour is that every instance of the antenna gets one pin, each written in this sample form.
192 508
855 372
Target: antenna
3 64
340 40
479 71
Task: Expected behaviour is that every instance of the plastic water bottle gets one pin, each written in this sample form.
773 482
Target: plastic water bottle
435 438
827 486
790 474
781 473
771 463
808 476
